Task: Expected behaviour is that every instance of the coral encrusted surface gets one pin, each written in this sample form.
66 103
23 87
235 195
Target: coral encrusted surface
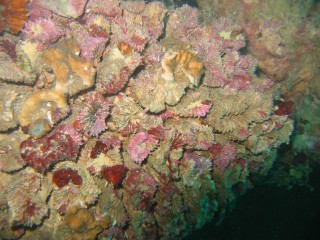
128 120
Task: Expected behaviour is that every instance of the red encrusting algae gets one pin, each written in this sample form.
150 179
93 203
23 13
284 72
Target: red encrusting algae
114 174
63 177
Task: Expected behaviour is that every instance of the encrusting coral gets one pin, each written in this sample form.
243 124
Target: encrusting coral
12 99
10 151
46 104
122 120
72 74
180 70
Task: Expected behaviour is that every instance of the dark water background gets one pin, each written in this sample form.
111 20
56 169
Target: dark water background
268 212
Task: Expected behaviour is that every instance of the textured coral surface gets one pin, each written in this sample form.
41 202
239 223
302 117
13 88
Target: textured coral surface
121 119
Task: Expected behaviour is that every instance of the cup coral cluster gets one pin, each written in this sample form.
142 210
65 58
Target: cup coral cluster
126 126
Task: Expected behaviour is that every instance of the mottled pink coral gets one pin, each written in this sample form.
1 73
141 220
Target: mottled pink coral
199 110
141 188
114 232
218 46
234 64
117 82
108 8
154 20
152 15
98 26
243 133
94 114
130 129
89 45
153 55
200 164
62 143
263 84
226 155
42 31
140 146
9 48
89 41
158 132
235 41
37 11
183 21
134 7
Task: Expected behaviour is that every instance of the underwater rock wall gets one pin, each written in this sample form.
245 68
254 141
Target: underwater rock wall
122 119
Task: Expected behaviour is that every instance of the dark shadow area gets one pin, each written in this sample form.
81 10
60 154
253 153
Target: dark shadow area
271 213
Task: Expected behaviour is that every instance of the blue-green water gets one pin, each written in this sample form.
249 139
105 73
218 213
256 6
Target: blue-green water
270 213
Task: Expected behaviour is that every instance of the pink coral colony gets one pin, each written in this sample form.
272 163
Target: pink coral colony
162 112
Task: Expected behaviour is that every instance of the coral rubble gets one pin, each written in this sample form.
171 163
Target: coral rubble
120 119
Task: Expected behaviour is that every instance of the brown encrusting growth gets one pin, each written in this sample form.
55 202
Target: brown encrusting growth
13 15
72 73
82 223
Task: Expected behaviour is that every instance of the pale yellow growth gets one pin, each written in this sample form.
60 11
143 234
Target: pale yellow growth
30 49
39 105
193 105
166 65
37 29
225 35
100 21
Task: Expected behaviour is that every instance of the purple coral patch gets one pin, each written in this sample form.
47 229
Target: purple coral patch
42 31
140 146
225 156
141 187
94 114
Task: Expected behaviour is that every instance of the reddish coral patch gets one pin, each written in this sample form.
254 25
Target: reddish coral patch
215 150
140 184
44 152
167 188
9 48
100 147
177 142
78 126
118 81
157 132
30 208
114 174
138 42
284 108
95 31
131 128
105 146
13 15
62 177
